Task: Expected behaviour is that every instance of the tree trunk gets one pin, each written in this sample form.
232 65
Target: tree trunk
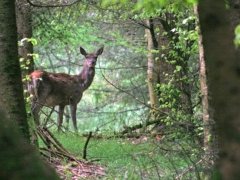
167 71
208 123
24 27
234 7
11 91
224 84
152 69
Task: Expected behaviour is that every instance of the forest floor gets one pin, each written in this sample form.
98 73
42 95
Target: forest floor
111 158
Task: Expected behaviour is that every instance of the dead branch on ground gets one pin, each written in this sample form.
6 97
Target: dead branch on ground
66 164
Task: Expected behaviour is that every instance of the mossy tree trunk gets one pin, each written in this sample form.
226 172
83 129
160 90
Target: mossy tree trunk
168 42
24 27
223 68
18 159
25 49
11 90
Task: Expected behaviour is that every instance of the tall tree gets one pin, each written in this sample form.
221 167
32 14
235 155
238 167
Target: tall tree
174 54
171 62
152 64
207 117
223 67
24 28
11 91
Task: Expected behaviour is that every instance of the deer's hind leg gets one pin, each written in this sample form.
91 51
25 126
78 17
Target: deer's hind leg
37 102
60 116
36 107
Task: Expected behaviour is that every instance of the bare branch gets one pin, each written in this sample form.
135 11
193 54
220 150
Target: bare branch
140 23
86 144
189 168
48 5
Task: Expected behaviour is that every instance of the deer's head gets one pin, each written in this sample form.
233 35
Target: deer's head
91 58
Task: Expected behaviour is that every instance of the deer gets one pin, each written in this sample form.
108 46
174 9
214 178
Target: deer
61 89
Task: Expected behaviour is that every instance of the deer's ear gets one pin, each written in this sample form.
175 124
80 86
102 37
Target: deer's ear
82 51
100 51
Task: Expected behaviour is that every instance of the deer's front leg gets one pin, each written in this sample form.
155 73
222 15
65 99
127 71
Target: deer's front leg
60 116
73 108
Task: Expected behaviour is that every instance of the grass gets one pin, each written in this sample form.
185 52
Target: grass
124 159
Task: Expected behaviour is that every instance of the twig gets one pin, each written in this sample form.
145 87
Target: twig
135 98
48 117
139 126
55 153
49 140
86 144
189 168
41 135
57 142
49 5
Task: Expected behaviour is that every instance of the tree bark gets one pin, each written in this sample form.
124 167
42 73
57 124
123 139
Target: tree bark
11 91
152 68
24 27
224 74
207 117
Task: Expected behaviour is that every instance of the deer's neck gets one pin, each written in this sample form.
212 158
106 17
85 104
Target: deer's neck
86 77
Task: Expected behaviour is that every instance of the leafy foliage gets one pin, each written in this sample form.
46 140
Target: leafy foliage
237 37
118 97
150 5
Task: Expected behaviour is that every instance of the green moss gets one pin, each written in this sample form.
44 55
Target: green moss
217 175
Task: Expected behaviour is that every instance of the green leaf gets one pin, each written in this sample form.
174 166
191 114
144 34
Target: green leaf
34 41
185 21
237 30
178 68
209 138
192 1
21 59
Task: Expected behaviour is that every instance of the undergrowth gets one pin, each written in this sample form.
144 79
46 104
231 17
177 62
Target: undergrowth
142 158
